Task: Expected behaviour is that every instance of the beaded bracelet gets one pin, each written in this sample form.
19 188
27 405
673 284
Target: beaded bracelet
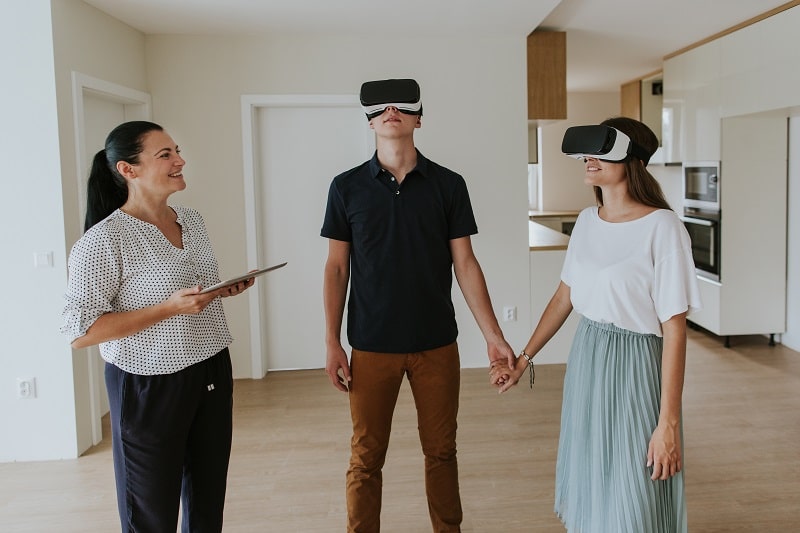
531 371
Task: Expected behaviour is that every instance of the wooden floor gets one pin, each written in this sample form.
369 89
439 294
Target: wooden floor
291 447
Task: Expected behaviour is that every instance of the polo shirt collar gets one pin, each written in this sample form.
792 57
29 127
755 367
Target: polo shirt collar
421 168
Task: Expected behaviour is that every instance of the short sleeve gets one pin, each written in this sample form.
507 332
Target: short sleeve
461 218
336 225
568 272
675 289
94 280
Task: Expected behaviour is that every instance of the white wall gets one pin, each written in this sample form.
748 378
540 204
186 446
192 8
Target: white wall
32 221
90 42
197 83
38 151
562 186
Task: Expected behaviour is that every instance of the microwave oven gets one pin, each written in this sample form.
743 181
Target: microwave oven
701 185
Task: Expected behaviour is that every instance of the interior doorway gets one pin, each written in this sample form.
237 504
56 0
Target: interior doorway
99 106
298 143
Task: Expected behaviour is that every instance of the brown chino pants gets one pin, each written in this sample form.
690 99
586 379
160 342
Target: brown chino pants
434 376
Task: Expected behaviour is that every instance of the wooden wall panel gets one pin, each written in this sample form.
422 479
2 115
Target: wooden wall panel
547 75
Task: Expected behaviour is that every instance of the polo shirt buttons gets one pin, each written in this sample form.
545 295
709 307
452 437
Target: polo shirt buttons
397 192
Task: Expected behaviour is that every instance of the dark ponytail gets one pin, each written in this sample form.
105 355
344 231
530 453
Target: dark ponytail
106 189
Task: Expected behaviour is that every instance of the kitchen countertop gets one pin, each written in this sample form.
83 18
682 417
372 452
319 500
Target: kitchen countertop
532 213
541 238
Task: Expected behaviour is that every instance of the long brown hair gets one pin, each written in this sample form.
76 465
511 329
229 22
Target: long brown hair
642 186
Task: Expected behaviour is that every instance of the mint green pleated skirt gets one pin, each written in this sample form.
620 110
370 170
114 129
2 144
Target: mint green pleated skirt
612 394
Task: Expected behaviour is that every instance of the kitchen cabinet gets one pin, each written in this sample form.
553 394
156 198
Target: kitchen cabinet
630 99
545 273
758 65
547 75
560 221
642 99
672 102
692 97
750 297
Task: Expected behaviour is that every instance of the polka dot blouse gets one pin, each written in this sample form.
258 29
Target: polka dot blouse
123 264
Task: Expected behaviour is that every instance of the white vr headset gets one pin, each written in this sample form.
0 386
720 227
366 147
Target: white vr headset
601 142
378 95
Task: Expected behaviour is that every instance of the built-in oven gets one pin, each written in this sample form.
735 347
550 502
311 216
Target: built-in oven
701 185
704 232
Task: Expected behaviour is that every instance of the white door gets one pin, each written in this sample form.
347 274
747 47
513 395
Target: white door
298 152
100 117
100 107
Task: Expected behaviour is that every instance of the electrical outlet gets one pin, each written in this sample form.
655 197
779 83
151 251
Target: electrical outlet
26 388
509 314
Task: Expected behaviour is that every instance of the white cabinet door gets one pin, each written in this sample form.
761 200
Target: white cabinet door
674 73
753 187
708 317
702 103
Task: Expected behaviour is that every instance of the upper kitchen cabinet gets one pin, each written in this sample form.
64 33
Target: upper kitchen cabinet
759 65
674 87
691 102
547 75
642 99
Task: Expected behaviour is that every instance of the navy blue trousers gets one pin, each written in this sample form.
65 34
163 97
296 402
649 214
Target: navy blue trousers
171 441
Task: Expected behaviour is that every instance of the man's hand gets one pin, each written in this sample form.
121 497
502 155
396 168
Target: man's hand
336 361
503 377
500 350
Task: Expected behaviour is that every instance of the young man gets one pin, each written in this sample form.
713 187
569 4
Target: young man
398 225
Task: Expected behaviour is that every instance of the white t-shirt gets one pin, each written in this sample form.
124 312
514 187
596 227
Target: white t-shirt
634 274
122 264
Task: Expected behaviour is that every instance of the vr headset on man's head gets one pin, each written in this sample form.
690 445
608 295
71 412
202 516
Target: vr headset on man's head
601 142
403 94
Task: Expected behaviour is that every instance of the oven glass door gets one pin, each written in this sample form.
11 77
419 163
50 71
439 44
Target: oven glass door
704 234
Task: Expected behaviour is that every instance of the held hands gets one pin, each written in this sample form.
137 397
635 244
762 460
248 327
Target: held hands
503 377
500 352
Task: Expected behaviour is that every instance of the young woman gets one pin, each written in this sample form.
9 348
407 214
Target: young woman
629 272
134 288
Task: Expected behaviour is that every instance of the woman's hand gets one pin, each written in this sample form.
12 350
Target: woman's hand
664 452
236 288
189 301
503 377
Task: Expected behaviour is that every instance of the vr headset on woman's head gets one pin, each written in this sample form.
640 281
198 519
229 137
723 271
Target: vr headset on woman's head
601 142
403 94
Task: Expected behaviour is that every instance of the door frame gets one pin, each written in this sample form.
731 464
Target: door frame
252 198
137 105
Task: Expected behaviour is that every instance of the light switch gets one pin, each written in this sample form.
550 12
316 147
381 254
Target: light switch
43 259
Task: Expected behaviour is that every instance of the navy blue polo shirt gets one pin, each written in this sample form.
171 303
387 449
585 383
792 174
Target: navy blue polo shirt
401 269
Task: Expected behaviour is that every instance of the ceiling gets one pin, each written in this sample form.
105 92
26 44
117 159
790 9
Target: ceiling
609 42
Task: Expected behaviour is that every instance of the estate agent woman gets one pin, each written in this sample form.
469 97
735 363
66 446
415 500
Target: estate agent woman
629 273
134 288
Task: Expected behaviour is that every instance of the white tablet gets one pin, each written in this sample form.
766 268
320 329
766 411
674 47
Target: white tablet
243 277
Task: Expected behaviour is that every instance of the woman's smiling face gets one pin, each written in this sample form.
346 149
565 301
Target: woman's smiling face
160 166
603 173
